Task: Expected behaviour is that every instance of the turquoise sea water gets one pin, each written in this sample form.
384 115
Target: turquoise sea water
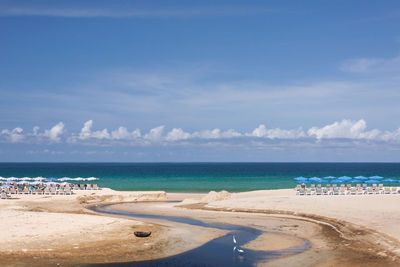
198 177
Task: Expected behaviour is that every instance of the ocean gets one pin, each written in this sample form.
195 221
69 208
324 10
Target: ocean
198 177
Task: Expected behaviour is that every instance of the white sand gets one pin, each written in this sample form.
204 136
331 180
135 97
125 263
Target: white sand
377 212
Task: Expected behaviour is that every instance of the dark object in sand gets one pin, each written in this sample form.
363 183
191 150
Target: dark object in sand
142 234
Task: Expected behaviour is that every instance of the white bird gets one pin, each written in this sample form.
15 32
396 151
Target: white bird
234 248
234 240
240 250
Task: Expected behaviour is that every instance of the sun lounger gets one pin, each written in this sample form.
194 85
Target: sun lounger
342 191
96 187
46 191
325 191
394 190
68 191
353 191
336 191
370 191
308 192
4 195
52 191
312 187
380 186
328 186
318 191
348 186
365 186
386 190
360 191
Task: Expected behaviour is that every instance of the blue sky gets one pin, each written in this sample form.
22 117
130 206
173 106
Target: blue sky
199 81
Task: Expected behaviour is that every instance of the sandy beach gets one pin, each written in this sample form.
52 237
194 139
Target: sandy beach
48 230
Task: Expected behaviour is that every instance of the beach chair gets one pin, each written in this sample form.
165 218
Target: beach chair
328 186
318 191
4 195
380 187
336 191
297 188
370 191
68 191
360 191
308 192
386 190
364 186
334 186
375 188
348 187
394 190
312 187
325 191
353 191
46 191
342 191
96 187
26 190
53 191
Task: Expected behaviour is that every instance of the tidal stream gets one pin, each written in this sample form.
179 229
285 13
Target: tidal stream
221 251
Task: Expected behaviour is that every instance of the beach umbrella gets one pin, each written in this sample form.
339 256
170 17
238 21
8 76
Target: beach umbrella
376 177
329 177
344 178
94 178
361 178
337 181
315 179
355 181
372 181
303 182
39 178
389 181
301 178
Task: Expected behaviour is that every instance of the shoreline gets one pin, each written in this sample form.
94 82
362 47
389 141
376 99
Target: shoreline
105 233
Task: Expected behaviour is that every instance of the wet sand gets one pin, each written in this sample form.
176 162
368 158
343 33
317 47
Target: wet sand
46 230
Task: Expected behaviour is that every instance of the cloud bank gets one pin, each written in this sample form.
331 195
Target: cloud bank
343 130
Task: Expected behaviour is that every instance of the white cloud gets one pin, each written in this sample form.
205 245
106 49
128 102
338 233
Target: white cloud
276 133
367 65
85 12
155 134
14 136
122 134
344 129
54 133
86 132
177 134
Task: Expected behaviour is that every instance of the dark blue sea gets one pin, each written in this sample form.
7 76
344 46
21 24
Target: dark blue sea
199 177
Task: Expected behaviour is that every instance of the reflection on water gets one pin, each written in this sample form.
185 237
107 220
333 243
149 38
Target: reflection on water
221 251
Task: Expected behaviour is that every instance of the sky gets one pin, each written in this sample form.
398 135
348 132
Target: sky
177 81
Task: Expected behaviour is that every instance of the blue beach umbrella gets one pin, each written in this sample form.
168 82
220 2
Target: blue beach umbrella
329 177
51 179
389 181
344 178
301 178
355 181
315 179
376 177
372 181
303 182
336 181
361 178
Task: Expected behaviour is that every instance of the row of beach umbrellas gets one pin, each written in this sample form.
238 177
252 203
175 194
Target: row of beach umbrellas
50 179
346 179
